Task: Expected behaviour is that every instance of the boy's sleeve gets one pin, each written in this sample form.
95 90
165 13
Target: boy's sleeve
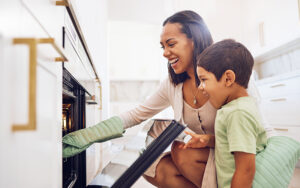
241 132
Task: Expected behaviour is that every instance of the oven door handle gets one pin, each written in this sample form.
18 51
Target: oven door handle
73 181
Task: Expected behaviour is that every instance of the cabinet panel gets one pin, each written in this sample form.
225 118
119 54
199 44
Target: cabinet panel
273 24
293 132
49 15
250 24
77 65
282 111
281 22
280 88
32 158
35 153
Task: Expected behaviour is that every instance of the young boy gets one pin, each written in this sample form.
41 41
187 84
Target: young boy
224 70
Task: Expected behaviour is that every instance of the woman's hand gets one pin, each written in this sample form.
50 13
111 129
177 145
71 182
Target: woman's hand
199 141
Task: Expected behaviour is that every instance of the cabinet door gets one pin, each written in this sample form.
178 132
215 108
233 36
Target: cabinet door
29 158
292 132
49 15
282 110
250 24
281 22
280 87
268 24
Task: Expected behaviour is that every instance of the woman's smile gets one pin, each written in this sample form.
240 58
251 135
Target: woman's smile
174 62
178 49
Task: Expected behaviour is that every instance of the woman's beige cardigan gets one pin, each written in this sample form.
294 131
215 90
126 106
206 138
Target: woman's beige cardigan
168 94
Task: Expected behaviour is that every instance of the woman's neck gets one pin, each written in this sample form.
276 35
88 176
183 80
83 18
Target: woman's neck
191 73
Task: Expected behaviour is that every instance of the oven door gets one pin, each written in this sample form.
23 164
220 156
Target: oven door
73 118
124 169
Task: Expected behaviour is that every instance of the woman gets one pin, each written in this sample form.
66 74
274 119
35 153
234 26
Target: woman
184 36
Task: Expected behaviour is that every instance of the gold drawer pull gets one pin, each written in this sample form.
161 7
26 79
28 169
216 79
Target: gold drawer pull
277 85
31 125
278 99
62 3
100 102
299 8
261 31
32 45
281 129
51 41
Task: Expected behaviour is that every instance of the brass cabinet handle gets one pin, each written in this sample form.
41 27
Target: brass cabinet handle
261 28
51 41
278 99
62 3
32 45
281 129
299 8
100 102
277 85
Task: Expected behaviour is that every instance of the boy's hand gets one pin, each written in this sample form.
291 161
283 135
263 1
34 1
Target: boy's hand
199 141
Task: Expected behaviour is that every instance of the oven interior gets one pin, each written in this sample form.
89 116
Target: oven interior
73 118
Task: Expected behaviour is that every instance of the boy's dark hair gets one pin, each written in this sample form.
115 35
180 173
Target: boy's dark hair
194 28
228 55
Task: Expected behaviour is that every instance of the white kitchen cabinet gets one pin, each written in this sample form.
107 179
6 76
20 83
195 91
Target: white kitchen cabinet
29 158
282 110
280 101
49 15
280 86
292 132
268 24
79 64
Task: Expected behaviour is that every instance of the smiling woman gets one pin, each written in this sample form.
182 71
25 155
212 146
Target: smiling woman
184 36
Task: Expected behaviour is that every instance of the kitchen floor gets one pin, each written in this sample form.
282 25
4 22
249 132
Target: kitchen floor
295 182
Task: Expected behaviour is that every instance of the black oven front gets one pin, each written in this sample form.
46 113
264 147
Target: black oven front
73 118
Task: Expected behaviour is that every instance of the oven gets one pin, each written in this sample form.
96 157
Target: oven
73 118
76 95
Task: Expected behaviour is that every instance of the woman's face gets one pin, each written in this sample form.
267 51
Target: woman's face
178 49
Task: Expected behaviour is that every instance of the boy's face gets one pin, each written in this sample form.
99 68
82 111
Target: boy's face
216 90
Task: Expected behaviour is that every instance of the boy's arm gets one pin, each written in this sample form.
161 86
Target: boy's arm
244 170
200 141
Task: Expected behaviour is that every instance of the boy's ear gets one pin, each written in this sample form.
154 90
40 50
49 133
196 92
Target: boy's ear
229 78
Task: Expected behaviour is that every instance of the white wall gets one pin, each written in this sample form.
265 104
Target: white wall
134 51
223 18
134 32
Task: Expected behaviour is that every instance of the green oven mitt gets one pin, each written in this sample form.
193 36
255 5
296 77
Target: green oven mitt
78 141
